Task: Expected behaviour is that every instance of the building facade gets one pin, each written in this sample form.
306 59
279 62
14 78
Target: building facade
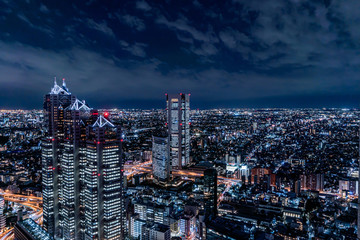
178 124
210 193
161 159
82 170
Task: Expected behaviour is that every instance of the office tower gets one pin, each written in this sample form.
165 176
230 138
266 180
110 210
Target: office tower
178 114
54 104
313 182
244 174
258 174
29 230
79 139
161 159
2 216
72 158
350 186
104 197
210 193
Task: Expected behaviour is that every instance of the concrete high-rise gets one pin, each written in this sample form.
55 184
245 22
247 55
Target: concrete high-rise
72 159
104 193
79 139
161 159
178 124
210 193
55 103
2 216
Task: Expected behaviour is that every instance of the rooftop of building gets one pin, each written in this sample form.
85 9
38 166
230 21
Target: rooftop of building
35 230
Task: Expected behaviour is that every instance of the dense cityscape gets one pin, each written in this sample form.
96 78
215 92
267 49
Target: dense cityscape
177 173
179 120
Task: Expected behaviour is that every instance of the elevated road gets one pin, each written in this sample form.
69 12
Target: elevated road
27 201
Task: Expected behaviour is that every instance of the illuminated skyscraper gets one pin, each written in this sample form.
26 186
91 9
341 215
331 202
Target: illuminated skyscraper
210 193
54 104
161 159
72 159
104 199
79 140
178 116
2 216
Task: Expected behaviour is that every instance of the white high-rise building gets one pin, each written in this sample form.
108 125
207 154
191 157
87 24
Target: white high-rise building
161 159
178 123
104 193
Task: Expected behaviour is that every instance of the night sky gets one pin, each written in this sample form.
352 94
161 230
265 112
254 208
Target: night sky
239 53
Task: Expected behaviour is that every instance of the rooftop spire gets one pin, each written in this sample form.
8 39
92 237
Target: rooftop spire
101 122
57 89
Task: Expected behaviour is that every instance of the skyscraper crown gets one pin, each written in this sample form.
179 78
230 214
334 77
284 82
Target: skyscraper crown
102 122
60 90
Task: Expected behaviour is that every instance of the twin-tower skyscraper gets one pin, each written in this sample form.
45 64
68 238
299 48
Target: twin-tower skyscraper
82 170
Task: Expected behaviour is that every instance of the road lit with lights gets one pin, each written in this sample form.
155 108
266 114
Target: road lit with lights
27 201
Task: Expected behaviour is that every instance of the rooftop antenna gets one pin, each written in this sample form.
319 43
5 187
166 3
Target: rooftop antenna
55 81
64 84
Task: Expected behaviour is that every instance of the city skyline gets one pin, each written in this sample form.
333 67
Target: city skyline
179 120
226 54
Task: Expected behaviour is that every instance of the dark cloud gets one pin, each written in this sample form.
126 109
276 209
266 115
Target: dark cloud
44 9
134 22
102 27
136 49
226 53
143 5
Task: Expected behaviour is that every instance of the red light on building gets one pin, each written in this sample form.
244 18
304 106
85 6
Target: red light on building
98 142
53 168
189 94
180 124
121 140
53 139
189 123
106 114
165 124
99 174
122 170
